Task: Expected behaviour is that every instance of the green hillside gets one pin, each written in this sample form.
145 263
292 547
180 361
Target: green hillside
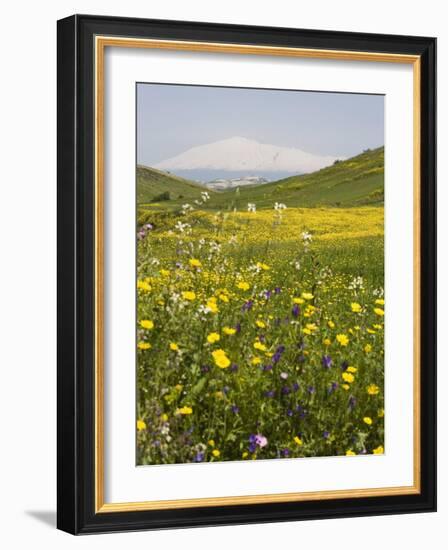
154 186
352 182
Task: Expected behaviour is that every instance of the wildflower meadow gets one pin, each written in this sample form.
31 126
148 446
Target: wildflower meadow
259 330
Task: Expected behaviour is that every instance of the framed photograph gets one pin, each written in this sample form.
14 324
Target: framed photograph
246 270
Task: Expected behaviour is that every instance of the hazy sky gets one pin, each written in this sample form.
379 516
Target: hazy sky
172 118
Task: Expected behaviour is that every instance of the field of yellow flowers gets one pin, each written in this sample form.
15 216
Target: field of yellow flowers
260 334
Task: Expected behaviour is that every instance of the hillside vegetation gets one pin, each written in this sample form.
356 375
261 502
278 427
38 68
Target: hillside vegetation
154 185
353 182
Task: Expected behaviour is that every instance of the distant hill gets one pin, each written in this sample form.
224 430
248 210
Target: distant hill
352 182
156 186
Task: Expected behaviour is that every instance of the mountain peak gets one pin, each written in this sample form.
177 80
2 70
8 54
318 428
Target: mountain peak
242 154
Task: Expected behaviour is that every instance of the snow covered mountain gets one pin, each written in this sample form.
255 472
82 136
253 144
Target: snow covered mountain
238 154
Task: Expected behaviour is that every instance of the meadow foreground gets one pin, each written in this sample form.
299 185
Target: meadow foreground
260 333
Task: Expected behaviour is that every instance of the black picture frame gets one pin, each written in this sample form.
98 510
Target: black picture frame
76 256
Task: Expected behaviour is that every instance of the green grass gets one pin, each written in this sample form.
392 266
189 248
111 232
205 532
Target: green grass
353 182
152 183
358 181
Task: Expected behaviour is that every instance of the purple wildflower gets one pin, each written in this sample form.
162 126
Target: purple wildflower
311 389
295 386
333 387
268 294
199 457
352 402
234 367
247 306
205 368
289 413
238 328
267 367
295 310
326 434
286 390
269 393
284 452
326 361
235 409
261 440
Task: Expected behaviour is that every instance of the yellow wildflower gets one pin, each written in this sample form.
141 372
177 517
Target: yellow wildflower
256 361
174 346
189 295
380 413
345 387
367 348
326 342
194 262
351 369
216 453
379 311
164 273
184 410
144 345
141 425
356 308
311 326
211 442
370 331
265 267
342 339
213 337
367 420
298 440
307 296
178 387
379 302
143 285
245 454
260 324
224 298
298 300
243 285
211 305
164 417
258 345
348 377
147 324
373 389
221 359
331 324
229 330
379 450
350 453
